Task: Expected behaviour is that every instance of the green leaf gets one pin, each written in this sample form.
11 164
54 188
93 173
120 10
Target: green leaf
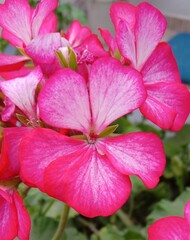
109 130
174 144
71 233
43 228
168 208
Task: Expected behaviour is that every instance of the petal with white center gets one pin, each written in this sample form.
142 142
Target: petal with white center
140 154
149 29
87 182
15 17
115 90
64 101
21 91
167 105
38 149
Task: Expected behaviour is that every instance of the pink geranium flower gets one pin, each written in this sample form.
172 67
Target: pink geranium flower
170 228
85 46
137 43
90 173
14 218
20 23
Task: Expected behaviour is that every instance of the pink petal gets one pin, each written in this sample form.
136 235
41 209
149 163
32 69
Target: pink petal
167 105
15 41
108 39
187 212
10 63
64 102
169 228
38 149
41 12
21 91
77 33
90 49
12 138
87 182
42 51
24 223
8 110
113 92
15 18
49 25
8 216
23 71
149 29
126 42
161 66
122 11
140 154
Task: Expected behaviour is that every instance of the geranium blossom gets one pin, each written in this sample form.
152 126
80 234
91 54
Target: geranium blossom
138 33
14 218
170 228
20 23
90 172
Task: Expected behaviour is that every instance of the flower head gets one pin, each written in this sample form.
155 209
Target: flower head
137 43
90 172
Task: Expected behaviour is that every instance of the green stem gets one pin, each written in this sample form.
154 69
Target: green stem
62 223
124 218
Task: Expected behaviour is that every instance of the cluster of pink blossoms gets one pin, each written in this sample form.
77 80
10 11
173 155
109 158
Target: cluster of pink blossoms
60 97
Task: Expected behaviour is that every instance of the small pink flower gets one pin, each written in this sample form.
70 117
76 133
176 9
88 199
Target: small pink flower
137 43
20 23
14 218
170 228
90 174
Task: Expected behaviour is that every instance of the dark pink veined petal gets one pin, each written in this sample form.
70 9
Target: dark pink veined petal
24 223
149 29
187 212
161 66
11 63
21 91
8 110
77 34
87 182
126 42
49 25
167 105
140 154
108 39
11 140
64 102
42 51
38 149
115 90
23 71
122 11
15 17
41 12
169 228
15 41
8 216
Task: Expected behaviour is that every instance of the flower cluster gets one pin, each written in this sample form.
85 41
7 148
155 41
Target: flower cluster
60 96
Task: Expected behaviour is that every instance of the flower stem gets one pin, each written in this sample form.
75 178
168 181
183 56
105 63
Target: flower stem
63 220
